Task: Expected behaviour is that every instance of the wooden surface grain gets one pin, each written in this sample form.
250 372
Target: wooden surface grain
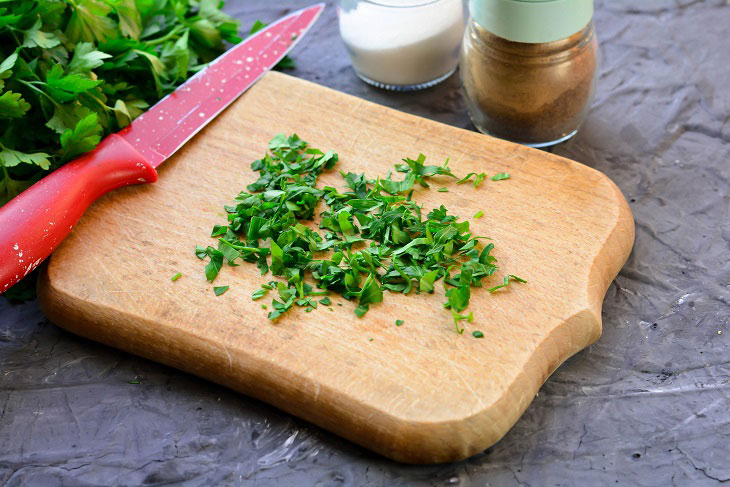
417 393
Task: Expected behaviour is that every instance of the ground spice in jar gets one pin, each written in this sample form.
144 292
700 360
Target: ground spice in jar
534 93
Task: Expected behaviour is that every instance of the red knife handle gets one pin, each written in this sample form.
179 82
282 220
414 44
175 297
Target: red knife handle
35 222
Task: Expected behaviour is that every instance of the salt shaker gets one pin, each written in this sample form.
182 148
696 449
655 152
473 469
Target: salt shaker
528 68
402 44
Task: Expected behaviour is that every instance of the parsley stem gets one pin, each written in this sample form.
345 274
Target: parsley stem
12 32
101 103
38 90
167 36
6 177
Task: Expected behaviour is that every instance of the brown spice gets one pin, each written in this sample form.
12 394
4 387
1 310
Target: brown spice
529 93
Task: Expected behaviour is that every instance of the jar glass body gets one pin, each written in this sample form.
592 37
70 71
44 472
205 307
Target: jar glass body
536 94
402 44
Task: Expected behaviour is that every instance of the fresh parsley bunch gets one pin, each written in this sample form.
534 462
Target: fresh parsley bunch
73 71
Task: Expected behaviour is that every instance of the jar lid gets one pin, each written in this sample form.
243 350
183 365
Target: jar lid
532 21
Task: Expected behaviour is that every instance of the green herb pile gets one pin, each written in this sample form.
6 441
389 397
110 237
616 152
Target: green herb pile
374 236
75 70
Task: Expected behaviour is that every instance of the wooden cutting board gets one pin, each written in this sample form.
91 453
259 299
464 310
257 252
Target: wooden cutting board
417 393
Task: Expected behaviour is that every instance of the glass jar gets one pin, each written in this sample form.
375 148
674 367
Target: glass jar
402 44
528 68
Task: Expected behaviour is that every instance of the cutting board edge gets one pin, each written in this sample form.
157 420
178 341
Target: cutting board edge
390 436
415 442
614 252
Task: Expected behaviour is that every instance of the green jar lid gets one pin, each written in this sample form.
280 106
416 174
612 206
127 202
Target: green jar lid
532 21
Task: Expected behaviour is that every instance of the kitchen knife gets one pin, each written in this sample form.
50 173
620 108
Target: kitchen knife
35 222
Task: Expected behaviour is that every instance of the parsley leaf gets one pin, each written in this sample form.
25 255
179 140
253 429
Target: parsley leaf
11 158
478 178
506 283
500 176
35 37
86 57
427 280
64 88
420 171
219 230
12 105
89 22
371 292
361 310
259 293
200 252
214 266
218 290
83 137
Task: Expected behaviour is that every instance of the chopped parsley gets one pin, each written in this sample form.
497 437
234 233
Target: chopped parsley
478 178
479 214
500 176
259 293
399 322
506 283
218 290
477 334
219 230
176 277
373 237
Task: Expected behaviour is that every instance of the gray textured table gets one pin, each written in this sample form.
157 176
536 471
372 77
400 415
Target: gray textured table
646 405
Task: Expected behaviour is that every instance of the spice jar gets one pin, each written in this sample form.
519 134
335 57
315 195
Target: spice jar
402 44
528 68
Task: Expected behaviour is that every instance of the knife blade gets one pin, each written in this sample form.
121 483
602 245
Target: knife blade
35 222
201 98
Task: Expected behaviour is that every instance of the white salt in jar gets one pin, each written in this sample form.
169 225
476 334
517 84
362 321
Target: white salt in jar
402 44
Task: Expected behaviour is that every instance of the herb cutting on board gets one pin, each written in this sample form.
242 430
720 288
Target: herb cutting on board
338 286
376 241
